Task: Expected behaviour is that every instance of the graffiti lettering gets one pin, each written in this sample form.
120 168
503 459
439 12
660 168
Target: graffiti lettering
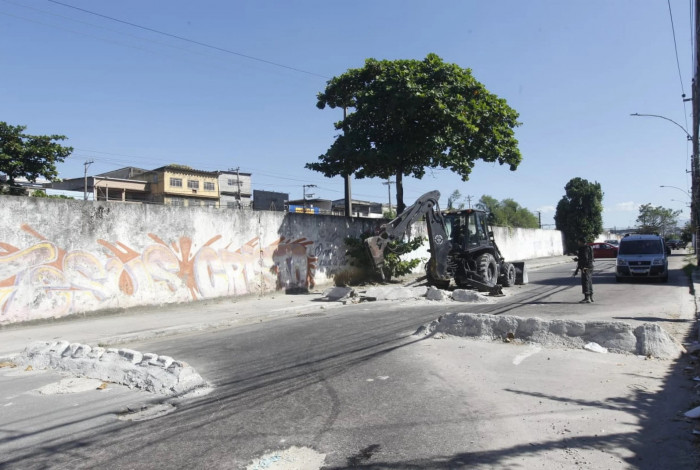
43 281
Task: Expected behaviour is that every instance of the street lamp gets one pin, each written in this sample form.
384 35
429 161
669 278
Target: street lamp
687 193
694 170
687 134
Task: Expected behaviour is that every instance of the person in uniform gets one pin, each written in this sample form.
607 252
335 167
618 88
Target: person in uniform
584 263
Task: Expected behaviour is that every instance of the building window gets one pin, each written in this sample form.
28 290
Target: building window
176 201
231 204
193 184
210 203
195 203
176 182
208 186
232 182
155 178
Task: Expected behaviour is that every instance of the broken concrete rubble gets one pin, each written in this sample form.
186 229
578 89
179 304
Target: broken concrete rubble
150 372
619 337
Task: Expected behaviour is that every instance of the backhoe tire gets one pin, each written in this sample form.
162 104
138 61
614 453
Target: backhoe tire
508 275
487 268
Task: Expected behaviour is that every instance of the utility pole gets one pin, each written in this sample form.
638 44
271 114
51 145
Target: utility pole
310 194
389 183
348 191
87 164
469 201
695 169
238 182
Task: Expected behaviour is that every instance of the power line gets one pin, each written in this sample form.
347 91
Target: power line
192 41
678 63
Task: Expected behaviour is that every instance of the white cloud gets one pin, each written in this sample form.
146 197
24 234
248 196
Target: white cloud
547 209
626 207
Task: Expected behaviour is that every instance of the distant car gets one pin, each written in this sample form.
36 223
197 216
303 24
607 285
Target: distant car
613 242
667 247
603 250
676 244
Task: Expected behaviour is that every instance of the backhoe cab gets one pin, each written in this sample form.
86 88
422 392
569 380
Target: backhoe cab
462 247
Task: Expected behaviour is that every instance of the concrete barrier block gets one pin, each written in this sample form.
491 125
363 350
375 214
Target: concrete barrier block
652 340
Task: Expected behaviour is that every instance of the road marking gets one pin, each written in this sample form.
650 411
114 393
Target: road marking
532 350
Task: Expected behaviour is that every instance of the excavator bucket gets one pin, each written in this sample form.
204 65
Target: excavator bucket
520 273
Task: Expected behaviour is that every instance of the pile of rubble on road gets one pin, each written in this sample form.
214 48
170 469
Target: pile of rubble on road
350 295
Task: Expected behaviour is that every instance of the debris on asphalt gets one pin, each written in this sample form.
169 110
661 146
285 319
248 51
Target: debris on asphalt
595 347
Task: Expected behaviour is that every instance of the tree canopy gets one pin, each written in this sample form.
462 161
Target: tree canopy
580 212
507 213
409 115
29 156
657 219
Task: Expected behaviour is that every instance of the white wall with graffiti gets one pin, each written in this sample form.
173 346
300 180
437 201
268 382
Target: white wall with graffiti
59 257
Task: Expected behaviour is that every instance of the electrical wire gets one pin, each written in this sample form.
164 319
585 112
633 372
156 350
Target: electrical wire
678 63
192 41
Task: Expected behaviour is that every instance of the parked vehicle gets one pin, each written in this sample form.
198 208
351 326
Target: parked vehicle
676 244
613 242
603 250
642 256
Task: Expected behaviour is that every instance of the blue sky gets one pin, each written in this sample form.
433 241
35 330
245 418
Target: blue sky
575 70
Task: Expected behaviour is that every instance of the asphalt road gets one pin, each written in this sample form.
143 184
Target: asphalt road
354 386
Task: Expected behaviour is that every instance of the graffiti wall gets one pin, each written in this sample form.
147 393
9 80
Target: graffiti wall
62 257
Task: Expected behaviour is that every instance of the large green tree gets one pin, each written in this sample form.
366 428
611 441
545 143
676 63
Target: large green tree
28 156
507 213
580 212
408 115
657 219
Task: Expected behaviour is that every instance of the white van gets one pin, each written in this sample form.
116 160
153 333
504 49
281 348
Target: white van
641 256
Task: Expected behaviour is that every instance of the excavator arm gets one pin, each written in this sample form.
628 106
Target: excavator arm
426 205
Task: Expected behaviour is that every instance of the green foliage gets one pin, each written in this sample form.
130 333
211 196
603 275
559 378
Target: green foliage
394 266
409 115
687 232
507 213
454 202
657 219
29 156
391 215
39 193
580 212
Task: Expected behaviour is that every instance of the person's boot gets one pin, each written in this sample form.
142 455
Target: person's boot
591 298
586 300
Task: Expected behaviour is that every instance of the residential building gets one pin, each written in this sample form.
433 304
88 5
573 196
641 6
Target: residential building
178 185
125 185
234 189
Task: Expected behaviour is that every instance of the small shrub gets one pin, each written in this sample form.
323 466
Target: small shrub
358 257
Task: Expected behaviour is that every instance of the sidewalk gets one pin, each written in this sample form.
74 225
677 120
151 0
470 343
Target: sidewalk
141 323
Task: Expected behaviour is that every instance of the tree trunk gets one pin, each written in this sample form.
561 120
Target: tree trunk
400 206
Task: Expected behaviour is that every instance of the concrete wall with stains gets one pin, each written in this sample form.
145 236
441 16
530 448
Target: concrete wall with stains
59 257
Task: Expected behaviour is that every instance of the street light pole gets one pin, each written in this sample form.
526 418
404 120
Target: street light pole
695 193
